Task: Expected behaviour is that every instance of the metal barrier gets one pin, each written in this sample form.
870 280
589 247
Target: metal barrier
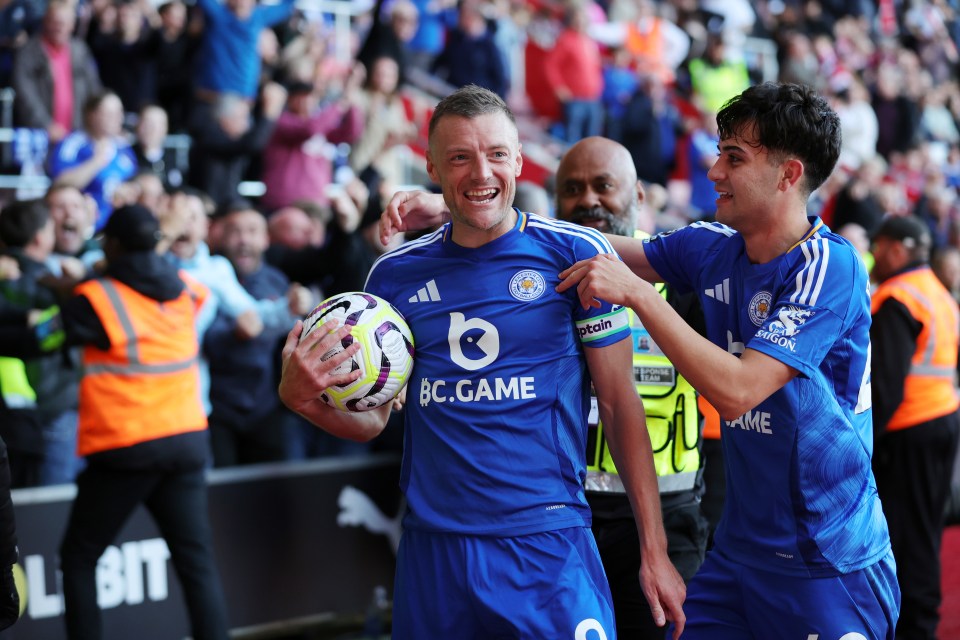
178 142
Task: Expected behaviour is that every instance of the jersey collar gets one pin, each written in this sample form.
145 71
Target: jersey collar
815 225
519 227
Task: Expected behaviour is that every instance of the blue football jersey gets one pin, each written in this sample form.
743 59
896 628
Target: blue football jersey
78 148
497 403
801 499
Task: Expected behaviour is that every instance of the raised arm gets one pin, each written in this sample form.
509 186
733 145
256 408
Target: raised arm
632 253
305 375
732 384
624 427
411 211
81 174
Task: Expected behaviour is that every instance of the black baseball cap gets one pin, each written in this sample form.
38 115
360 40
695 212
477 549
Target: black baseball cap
134 226
910 230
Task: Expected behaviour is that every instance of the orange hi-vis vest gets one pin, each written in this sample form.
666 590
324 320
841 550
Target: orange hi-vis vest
929 388
711 419
647 47
147 384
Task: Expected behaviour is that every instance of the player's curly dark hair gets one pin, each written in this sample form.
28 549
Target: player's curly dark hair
789 120
470 101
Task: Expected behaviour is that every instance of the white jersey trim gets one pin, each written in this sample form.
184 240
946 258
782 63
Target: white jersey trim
810 279
715 227
595 238
405 248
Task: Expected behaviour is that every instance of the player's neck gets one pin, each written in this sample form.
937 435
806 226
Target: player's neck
777 237
470 236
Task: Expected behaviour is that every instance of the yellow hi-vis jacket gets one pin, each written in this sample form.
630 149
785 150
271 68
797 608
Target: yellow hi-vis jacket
672 420
14 385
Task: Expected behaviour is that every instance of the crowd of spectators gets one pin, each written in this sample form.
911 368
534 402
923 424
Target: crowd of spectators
265 96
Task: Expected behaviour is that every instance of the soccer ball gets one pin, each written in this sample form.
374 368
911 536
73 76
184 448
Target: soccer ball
385 359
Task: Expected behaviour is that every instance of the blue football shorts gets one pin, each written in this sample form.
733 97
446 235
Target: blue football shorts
728 601
537 586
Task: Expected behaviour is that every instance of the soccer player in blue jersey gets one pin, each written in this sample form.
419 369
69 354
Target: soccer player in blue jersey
802 549
497 540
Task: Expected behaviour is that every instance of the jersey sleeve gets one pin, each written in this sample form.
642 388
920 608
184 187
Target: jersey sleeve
377 284
606 324
826 290
669 253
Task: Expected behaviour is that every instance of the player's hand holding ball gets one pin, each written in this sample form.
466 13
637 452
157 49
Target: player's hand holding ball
305 373
363 360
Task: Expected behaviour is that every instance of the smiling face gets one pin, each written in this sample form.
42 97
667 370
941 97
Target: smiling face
476 162
71 217
746 179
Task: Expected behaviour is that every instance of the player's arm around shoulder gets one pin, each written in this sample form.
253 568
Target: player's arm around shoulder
624 426
305 375
633 254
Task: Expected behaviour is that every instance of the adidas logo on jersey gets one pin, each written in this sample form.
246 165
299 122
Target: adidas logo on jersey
427 293
720 292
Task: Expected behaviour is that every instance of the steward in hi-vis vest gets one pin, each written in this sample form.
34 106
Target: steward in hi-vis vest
673 417
597 187
141 388
142 425
142 428
928 390
915 336
673 421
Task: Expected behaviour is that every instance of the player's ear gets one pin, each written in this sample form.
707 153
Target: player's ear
431 169
519 159
791 172
641 193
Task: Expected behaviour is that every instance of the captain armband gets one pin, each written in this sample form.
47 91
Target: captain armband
599 327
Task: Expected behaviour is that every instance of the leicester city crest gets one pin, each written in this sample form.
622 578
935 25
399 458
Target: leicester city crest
759 307
527 285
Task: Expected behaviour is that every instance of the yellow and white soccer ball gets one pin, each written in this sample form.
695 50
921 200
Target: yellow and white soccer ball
385 359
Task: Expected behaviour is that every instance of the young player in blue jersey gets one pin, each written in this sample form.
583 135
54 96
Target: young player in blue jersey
497 539
802 550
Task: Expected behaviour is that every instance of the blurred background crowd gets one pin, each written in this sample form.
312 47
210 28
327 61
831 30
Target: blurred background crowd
266 138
